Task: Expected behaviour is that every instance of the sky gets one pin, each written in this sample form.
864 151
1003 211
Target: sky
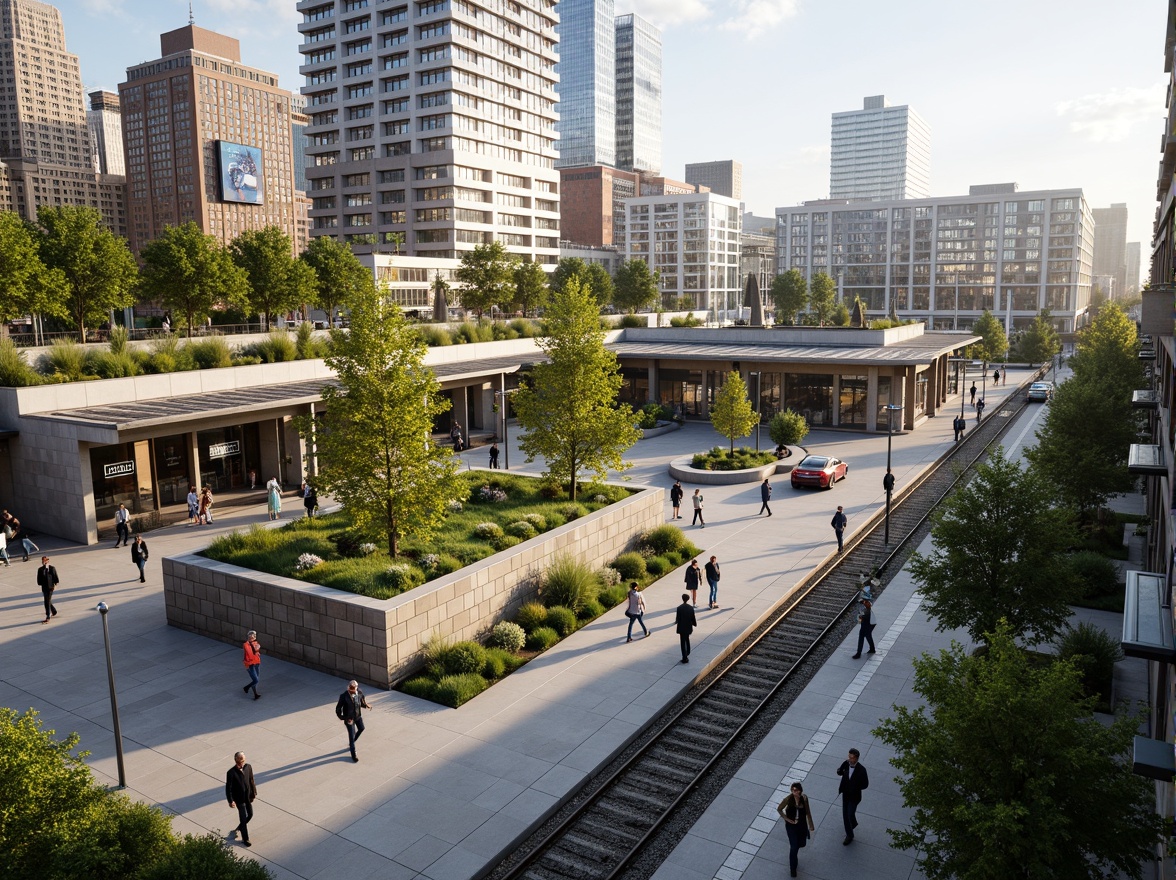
1045 94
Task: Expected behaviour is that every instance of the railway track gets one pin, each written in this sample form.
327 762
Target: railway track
616 815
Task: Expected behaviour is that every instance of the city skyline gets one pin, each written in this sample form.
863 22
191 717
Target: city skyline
1004 111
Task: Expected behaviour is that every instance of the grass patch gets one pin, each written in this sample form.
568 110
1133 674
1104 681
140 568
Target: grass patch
720 459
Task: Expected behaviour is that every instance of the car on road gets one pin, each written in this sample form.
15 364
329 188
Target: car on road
1040 391
819 470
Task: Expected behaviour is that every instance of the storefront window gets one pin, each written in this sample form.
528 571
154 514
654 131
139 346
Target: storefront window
853 399
681 389
811 395
883 401
173 470
226 455
122 475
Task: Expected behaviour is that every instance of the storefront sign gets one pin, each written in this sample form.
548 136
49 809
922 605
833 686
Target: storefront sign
220 450
121 469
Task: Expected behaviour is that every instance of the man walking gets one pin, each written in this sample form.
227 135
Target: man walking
697 499
866 631
972 391
712 580
494 455
252 649
685 621
854 780
839 523
139 557
349 710
47 580
241 791
765 497
122 527
958 425
676 499
979 409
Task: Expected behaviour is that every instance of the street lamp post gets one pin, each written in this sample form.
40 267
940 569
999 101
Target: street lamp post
757 410
888 480
500 398
118 747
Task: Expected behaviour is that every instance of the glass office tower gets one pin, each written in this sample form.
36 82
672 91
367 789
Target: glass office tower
587 84
639 88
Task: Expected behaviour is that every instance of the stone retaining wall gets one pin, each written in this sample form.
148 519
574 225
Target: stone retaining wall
377 640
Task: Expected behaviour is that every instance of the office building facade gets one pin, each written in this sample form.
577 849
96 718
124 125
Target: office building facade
1134 251
879 153
1110 246
945 260
639 95
724 177
432 125
592 201
587 84
105 123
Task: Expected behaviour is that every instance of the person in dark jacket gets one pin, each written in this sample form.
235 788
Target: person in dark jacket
693 576
839 522
349 710
676 494
798 822
854 780
241 791
685 621
494 455
712 581
765 497
309 499
139 557
47 580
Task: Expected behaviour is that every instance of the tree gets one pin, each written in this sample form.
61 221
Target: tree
592 275
822 294
994 342
840 316
568 411
374 441
790 295
999 547
530 287
29 287
788 428
277 281
339 276
600 284
488 275
189 272
635 287
96 266
1098 300
1040 341
1010 775
567 269
1107 352
732 414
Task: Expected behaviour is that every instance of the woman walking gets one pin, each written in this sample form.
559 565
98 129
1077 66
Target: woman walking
273 490
205 512
193 506
635 611
798 822
693 576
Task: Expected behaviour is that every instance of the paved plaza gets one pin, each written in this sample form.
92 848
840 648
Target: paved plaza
441 793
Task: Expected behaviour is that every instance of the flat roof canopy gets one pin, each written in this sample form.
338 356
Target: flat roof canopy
919 350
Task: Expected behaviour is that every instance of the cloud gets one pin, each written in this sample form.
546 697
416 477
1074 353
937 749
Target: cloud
754 18
1109 117
665 13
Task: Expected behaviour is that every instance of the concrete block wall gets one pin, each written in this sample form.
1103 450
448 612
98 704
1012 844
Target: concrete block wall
378 640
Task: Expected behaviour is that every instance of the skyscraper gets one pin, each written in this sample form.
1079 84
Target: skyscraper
1133 258
880 153
724 177
432 124
587 83
639 94
105 122
1110 246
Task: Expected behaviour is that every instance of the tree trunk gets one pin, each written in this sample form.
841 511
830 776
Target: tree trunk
392 543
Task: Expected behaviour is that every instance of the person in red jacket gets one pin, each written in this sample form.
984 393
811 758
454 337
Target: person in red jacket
252 662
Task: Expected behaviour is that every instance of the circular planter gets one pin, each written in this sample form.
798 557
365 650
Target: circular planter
662 428
680 469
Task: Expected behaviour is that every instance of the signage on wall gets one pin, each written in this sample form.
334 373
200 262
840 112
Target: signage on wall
121 469
221 450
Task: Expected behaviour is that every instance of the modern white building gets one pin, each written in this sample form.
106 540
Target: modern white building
639 95
879 153
1110 248
693 241
432 124
105 123
945 260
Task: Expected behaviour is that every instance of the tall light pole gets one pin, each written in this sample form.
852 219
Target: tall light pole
757 410
888 480
118 748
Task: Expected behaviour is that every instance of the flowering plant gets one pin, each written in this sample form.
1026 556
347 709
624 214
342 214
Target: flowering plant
308 561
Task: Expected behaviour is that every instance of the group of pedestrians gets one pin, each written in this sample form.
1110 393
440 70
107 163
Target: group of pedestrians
11 531
797 813
200 506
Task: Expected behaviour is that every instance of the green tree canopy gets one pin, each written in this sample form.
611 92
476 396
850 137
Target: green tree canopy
567 269
338 275
994 342
568 411
840 316
374 441
97 267
190 273
999 546
29 287
1108 352
278 282
790 295
788 428
530 287
635 286
1010 775
822 297
488 275
1040 342
591 275
732 414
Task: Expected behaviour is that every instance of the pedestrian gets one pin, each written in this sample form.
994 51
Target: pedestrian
866 630
252 649
14 531
693 576
455 436
349 710
139 557
309 499
712 580
122 527
193 506
839 523
47 580
676 494
494 455
206 506
273 496
973 393
252 478
684 623
4 547
996 377
635 610
979 409
798 822
959 426
854 780
241 791
697 499
167 322
765 497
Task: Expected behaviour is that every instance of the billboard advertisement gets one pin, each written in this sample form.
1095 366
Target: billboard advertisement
240 173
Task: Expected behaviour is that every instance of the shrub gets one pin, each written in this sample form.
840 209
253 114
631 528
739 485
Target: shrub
308 561
1097 574
508 636
438 564
454 506
561 619
568 582
505 542
276 348
306 346
495 665
422 686
524 328
197 857
433 653
590 610
111 365
572 511
488 531
434 336
788 428
348 543
64 359
542 638
209 353
401 577
613 596
462 658
537 520
503 331
552 491
634 321
1094 652
608 576
453 690
521 530
367 549
658 565
664 539
631 566
14 369
686 321
491 494
510 662
649 415
531 616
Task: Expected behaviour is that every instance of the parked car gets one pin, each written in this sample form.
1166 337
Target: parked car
1040 391
819 470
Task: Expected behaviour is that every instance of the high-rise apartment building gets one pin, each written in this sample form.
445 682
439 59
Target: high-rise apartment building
1110 246
945 260
105 122
879 153
724 177
207 139
299 122
1134 249
592 201
587 83
432 124
639 94
44 140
